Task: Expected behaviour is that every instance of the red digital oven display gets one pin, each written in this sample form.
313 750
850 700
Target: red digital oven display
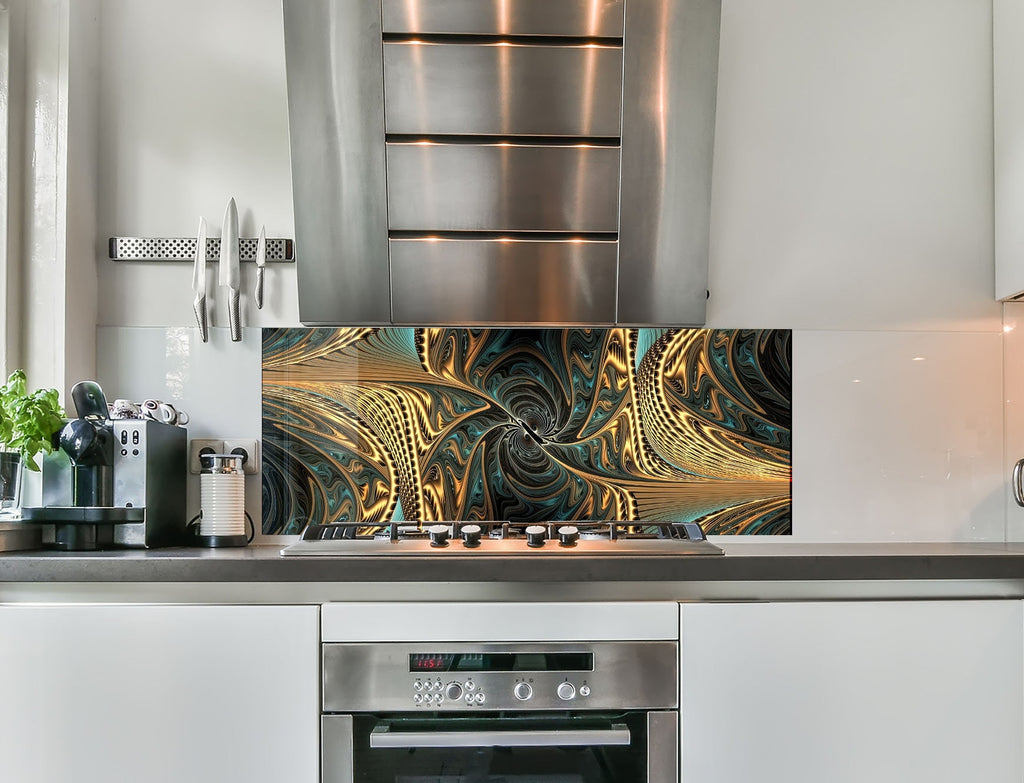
430 662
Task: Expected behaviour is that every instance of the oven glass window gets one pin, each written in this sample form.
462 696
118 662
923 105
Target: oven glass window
477 755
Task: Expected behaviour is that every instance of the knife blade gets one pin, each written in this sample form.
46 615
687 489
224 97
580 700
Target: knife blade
229 273
199 282
261 262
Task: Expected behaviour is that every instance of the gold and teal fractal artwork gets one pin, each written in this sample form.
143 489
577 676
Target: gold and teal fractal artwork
373 425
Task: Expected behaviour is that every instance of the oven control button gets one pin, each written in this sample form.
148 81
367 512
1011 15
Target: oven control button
566 691
417 699
469 698
479 698
438 535
522 691
470 685
453 691
584 690
438 698
535 535
417 686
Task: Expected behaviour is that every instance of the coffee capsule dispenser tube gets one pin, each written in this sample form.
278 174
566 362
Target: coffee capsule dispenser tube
222 497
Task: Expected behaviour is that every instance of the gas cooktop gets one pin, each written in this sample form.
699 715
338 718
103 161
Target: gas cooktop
503 539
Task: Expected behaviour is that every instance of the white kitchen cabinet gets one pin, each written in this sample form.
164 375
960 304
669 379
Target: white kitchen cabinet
1008 133
159 694
853 692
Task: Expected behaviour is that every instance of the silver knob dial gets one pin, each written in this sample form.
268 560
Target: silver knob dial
438 535
536 535
522 691
470 535
566 691
453 691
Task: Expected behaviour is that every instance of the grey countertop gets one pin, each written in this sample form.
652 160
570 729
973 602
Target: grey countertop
743 562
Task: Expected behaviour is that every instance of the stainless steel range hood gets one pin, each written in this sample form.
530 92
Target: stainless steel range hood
502 161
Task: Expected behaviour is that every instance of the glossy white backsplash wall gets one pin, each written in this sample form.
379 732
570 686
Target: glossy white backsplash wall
216 383
1013 388
852 202
897 436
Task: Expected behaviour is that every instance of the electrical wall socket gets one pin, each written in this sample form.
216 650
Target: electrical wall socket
251 449
198 445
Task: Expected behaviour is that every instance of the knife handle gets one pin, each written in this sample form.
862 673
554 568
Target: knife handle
234 317
199 306
258 294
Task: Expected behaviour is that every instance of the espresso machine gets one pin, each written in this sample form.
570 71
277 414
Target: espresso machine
113 482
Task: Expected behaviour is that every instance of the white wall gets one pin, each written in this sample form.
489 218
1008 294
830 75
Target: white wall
193 112
852 202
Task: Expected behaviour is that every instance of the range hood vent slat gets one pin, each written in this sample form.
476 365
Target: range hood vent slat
510 236
502 39
600 18
503 140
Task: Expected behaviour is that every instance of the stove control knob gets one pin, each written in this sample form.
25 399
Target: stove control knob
584 690
568 535
453 691
470 535
536 535
522 691
438 535
566 691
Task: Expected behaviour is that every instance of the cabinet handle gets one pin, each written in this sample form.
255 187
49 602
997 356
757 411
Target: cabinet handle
382 737
1018 488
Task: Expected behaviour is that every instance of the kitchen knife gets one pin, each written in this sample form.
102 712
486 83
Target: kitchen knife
261 262
229 274
199 282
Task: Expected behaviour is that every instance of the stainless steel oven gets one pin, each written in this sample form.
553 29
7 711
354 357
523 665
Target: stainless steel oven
523 712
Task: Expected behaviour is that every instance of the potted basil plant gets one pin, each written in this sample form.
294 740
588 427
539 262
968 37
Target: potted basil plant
28 423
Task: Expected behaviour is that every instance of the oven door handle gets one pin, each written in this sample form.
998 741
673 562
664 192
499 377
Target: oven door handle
383 737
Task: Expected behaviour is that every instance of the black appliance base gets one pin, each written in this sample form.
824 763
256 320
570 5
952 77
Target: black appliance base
218 541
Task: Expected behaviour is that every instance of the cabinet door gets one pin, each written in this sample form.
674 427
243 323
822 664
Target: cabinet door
1008 127
857 692
159 694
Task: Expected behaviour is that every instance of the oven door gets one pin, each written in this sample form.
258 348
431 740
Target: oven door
629 747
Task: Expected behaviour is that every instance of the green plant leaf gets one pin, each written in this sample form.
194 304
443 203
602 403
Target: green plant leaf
28 422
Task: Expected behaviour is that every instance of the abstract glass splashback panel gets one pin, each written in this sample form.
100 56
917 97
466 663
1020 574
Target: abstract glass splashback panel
527 425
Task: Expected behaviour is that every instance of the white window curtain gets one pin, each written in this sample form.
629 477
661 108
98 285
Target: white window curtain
48 152
5 185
